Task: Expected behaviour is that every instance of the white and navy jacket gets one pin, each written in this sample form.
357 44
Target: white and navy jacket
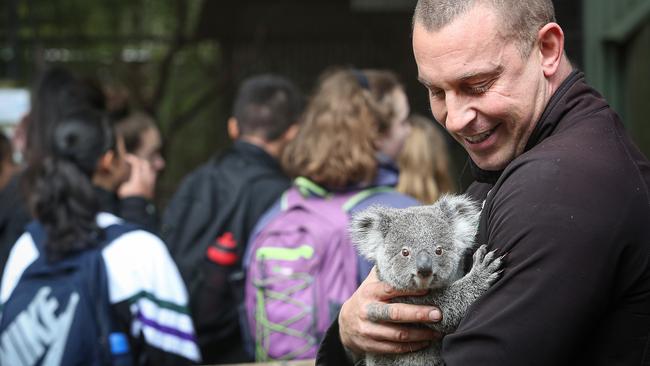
145 290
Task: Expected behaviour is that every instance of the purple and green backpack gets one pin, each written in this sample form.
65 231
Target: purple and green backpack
302 268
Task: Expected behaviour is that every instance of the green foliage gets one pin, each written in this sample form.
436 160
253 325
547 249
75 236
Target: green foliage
144 51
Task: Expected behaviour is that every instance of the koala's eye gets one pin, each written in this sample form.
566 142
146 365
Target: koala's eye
438 251
405 252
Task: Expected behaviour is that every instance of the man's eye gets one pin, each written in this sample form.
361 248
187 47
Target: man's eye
479 88
437 93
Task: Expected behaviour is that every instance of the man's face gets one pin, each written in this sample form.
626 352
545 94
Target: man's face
480 88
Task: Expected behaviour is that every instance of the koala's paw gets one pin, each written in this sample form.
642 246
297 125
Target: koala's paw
487 266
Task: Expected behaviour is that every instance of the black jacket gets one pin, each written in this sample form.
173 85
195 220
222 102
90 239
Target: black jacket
141 211
206 226
136 210
573 214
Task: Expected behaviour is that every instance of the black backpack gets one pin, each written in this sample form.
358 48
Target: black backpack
203 227
59 312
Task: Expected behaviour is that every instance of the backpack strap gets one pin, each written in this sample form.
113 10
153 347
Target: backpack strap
37 233
360 196
111 232
114 231
303 188
112 341
308 188
307 195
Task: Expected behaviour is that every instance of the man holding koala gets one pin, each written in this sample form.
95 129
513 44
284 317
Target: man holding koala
566 194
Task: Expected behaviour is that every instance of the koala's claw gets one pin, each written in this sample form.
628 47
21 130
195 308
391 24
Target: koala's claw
487 265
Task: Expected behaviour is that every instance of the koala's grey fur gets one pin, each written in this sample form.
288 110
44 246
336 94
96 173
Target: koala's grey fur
403 243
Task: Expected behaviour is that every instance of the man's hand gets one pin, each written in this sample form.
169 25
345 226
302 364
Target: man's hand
369 323
142 182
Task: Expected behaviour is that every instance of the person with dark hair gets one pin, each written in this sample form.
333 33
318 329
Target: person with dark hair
143 145
208 221
145 295
56 92
565 194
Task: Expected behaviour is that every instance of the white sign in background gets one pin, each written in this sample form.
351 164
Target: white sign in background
14 104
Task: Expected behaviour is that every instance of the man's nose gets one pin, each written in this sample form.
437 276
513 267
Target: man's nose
459 113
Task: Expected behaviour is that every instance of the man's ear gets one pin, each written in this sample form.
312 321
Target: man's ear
551 47
368 229
233 128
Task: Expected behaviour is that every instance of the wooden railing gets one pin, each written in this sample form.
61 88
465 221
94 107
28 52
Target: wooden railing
279 363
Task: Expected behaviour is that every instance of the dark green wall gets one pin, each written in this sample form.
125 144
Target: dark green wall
637 88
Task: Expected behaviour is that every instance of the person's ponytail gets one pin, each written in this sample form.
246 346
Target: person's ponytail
61 193
63 200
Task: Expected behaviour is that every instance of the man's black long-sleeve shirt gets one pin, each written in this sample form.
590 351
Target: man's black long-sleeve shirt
573 214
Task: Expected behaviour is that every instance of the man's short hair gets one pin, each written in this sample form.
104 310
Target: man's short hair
521 19
266 106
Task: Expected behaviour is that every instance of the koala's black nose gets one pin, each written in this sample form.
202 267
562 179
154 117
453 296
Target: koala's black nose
423 264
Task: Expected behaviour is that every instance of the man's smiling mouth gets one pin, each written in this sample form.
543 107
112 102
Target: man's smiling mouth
478 138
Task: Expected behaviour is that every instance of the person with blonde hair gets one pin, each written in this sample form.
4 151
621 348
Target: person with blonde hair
359 120
333 159
335 147
424 162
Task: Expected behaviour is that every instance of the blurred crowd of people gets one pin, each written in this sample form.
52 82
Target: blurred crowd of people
176 280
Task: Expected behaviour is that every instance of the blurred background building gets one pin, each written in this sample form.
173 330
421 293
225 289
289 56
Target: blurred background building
182 59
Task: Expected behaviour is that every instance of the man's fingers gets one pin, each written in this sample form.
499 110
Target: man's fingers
401 313
388 292
377 312
397 334
377 347
370 323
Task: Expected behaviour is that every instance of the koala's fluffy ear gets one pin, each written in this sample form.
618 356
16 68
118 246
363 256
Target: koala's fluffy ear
463 214
368 230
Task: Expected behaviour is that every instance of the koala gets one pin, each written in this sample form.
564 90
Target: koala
423 248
